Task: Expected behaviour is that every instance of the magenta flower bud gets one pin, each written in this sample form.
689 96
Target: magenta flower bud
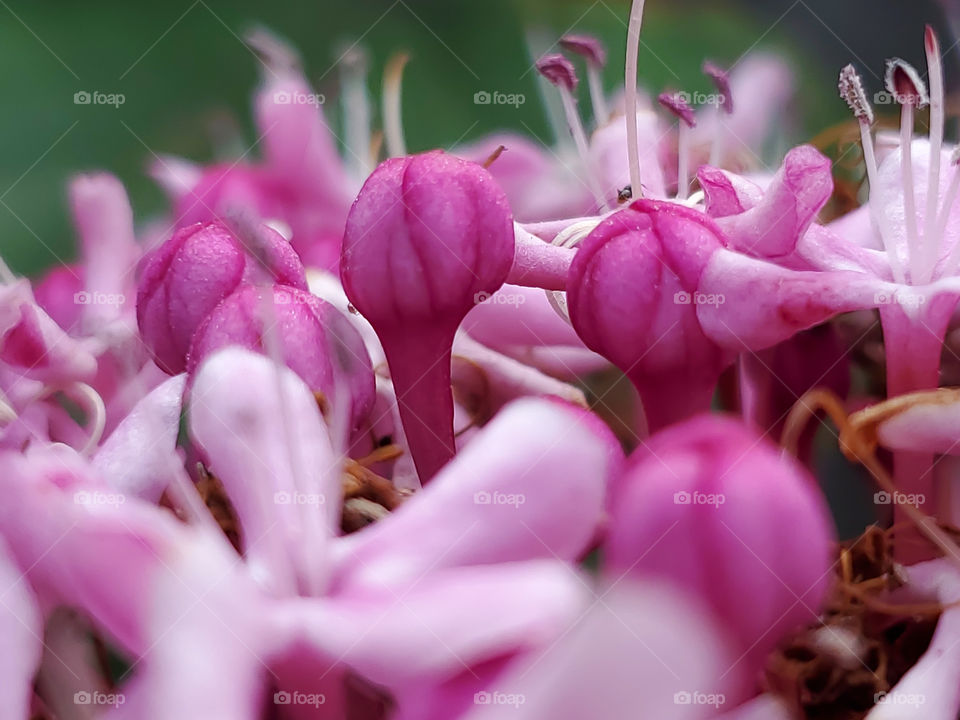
316 341
633 298
187 276
711 507
427 237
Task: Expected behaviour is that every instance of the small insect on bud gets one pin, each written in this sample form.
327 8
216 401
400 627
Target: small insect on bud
721 81
676 103
625 193
587 47
851 90
558 70
904 83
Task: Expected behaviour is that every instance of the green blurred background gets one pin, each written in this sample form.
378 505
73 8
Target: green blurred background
187 77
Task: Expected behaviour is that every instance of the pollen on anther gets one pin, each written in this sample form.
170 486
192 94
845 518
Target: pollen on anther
851 90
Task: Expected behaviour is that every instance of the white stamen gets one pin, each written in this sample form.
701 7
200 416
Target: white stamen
683 154
356 113
952 262
886 235
932 239
630 94
392 116
6 274
569 237
93 407
580 140
601 114
718 144
851 90
909 198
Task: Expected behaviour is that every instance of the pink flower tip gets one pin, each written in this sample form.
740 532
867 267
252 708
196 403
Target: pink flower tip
904 82
587 47
186 278
558 70
721 81
676 103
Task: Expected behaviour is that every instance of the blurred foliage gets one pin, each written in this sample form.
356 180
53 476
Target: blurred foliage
187 78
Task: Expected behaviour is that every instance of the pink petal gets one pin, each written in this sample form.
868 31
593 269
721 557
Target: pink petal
639 651
136 458
440 624
261 430
487 505
21 633
790 204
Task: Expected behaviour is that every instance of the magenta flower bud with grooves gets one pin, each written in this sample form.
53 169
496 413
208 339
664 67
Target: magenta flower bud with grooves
633 298
314 338
187 277
426 237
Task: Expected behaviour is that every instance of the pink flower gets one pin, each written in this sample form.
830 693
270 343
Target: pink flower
687 511
185 279
312 338
633 295
427 237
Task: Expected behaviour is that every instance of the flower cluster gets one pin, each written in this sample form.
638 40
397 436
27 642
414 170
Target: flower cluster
336 444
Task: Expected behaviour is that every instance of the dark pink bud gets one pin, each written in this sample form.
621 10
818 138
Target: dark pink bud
558 70
316 341
187 276
586 46
677 103
723 514
632 294
427 237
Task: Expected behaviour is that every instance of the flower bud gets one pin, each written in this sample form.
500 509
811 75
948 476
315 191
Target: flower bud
723 514
187 276
632 294
315 341
427 236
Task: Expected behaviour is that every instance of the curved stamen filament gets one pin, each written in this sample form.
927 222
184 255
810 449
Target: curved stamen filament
953 260
597 99
859 444
583 149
